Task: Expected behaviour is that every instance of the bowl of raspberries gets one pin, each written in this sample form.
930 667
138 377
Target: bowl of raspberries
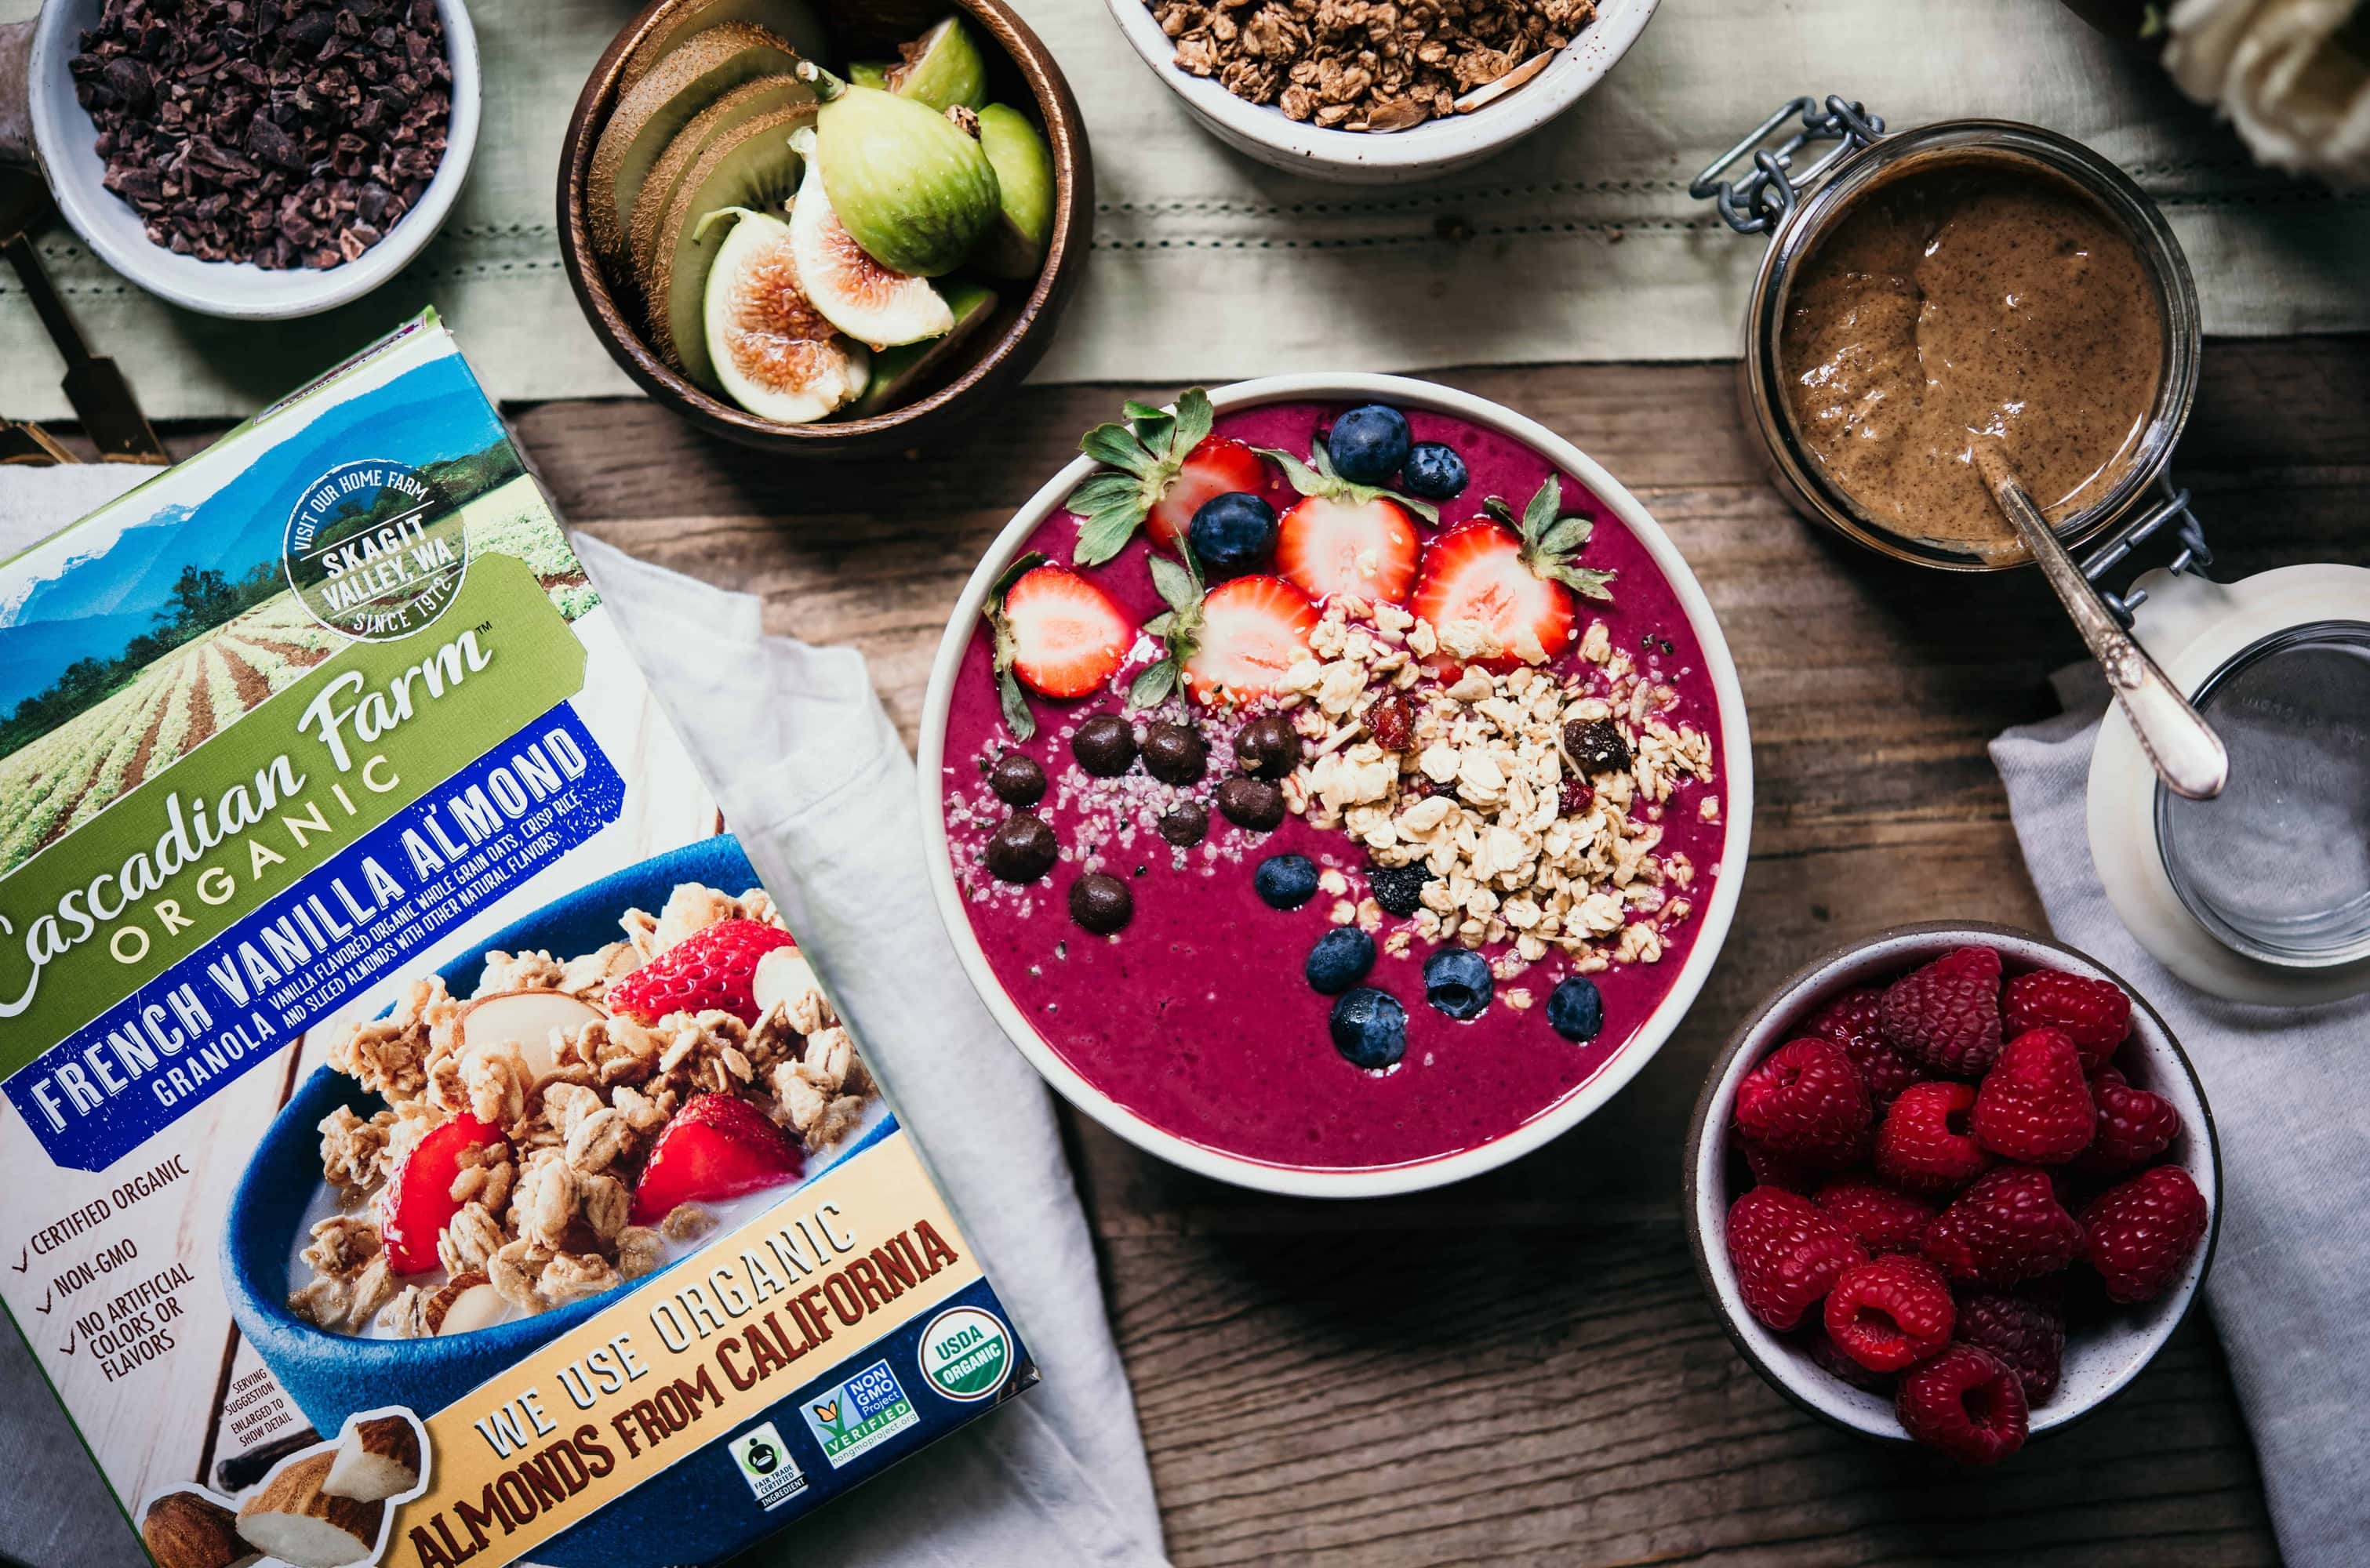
1954 1184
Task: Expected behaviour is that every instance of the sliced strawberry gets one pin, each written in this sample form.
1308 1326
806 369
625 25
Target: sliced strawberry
1214 467
709 970
419 1202
717 1147
1068 635
1253 629
1326 546
1474 576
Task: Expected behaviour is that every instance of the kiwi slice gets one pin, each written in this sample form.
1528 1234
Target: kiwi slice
941 68
707 67
792 19
647 228
898 372
751 165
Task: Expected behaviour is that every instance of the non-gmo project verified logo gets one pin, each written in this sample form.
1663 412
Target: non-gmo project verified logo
766 1465
860 1415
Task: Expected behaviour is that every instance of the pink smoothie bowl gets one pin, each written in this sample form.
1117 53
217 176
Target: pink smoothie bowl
1723 851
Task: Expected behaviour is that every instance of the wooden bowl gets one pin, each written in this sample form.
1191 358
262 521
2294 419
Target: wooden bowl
1005 350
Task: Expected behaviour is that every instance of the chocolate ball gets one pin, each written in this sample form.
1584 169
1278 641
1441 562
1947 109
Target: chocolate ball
1104 746
1016 780
1185 824
1266 748
1252 803
1102 903
1022 848
1175 753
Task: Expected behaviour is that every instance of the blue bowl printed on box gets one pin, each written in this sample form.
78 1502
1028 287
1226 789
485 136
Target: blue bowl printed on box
331 1376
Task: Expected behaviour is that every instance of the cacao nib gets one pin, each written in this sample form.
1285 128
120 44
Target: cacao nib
283 132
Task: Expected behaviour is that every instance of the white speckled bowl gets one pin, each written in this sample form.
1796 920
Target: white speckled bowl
2100 1360
1435 147
62 140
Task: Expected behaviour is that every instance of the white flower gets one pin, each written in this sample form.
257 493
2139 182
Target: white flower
2297 94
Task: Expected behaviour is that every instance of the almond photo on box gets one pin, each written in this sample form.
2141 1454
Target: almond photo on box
295 1518
378 1457
190 1530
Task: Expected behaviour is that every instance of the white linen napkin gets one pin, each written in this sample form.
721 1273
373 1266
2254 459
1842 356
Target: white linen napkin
2289 1101
817 784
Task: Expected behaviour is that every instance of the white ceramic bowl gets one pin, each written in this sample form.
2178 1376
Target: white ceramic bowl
2100 1359
64 143
1434 147
1734 749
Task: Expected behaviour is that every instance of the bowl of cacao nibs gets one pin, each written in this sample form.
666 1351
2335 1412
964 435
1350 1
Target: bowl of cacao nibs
1305 91
1954 1184
254 159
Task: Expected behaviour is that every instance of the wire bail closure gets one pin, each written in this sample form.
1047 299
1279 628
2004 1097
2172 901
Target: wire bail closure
1759 201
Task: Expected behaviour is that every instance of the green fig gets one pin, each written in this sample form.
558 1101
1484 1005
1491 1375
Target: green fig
868 73
897 372
911 190
1014 247
941 68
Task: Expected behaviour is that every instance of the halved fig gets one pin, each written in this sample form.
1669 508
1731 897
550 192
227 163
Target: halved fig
941 68
750 166
899 373
773 352
855 293
1014 248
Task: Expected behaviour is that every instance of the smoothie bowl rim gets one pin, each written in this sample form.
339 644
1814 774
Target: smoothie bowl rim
1735 762
2125 1350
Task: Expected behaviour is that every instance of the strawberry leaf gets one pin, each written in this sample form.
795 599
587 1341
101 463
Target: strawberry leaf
1566 536
1177 584
1152 686
1179 627
1550 540
1194 420
1586 581
1317 477
1016 716
1147 453
1540 515
1106 533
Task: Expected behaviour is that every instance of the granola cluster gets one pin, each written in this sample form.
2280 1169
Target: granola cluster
544 1214
1524 844
1365 64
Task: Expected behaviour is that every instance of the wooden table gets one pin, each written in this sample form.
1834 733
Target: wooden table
1522 1369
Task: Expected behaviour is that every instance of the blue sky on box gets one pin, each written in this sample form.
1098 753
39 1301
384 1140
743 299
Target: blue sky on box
122 572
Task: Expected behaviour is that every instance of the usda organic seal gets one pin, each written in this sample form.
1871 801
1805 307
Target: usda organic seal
966 1353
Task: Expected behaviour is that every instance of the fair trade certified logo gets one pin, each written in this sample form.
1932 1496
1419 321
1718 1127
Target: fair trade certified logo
860 1415
766 1465
376 550
966 1354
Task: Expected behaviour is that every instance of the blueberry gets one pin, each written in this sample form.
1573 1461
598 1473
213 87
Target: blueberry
1369 1027
1285 881
1399 888
1456 980
1575 1011
1233 534
1339 960
1434 472
1368 443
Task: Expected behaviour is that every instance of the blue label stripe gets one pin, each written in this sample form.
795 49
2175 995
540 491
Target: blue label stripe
181 1039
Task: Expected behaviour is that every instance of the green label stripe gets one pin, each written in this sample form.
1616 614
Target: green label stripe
178 860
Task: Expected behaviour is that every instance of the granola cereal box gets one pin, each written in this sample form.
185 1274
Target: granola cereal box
423 1141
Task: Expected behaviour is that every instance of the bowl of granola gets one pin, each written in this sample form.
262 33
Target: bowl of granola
1310 95
548 1121
1336 785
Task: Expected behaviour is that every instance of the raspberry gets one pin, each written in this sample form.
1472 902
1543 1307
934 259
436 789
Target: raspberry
1391 723
1946 1014
1965 1402
2029 1335
2134 1127
1925 1145
2007 1226
1879 1218
1771 1169
1889 1313
2141 1234
2094 1014
1829 1358
2033 1105
1785 1253
1850 1020
709 968
1805 1100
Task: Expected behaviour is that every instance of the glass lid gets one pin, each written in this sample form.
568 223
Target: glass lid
2277 867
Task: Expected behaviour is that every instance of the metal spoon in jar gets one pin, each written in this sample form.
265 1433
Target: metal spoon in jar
2182 748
